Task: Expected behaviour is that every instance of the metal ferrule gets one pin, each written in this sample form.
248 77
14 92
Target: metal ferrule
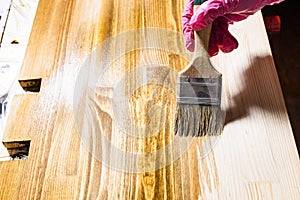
202 91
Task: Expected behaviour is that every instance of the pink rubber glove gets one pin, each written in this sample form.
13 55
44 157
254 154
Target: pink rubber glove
220 13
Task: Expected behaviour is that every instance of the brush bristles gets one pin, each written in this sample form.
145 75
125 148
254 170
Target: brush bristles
198 120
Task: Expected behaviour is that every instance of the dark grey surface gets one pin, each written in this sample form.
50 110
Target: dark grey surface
286 53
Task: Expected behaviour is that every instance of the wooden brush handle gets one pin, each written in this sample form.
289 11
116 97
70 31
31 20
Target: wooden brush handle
200 66
202 41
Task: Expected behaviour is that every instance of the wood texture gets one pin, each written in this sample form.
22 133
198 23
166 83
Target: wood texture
255 158
13 46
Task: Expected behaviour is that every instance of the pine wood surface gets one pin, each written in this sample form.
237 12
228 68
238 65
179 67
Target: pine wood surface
17 17
255 158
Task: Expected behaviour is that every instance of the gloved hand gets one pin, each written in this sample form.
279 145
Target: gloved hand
220 13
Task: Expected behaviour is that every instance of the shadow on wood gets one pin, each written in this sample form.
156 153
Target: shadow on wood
255 95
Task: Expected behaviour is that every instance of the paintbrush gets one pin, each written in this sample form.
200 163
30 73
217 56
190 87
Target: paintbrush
198 110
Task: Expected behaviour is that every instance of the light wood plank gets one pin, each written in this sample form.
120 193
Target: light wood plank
255 158
17 28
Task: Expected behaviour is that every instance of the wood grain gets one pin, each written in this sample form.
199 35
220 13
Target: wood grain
85 82
12 50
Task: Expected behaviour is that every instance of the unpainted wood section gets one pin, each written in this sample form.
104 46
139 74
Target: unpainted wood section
13 46
255 157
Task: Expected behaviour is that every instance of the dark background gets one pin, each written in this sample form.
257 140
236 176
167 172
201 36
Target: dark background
285 47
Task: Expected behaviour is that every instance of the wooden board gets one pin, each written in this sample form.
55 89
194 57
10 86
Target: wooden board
12 50
87 143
